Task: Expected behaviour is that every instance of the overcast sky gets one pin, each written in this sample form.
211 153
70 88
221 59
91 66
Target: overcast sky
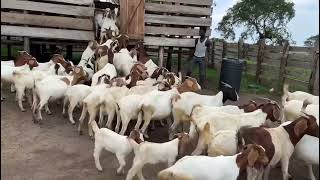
303 25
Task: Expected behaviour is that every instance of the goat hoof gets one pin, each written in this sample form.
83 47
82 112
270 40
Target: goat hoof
120 173
146 136
73 123
23 110
80 132
100 170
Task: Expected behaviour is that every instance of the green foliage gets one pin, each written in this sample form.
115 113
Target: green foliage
266 18
311 40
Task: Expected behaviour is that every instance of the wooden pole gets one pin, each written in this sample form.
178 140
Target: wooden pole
9 49
314 77
283 63
161 51
26 44
240 49
169 58
26 40
69 52
179 59
261 43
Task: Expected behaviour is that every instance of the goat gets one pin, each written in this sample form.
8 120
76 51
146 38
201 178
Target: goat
152 153
114 143
218 168
278 142
156 105
53 87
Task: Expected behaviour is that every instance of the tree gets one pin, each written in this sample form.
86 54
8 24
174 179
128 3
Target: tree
311 40
266 19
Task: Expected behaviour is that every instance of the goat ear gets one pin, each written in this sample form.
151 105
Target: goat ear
300 127
252 157
206 127
276 112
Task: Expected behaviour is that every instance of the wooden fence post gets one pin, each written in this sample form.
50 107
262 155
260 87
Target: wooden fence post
224 47
314 77
26 44
179 59
240 49
69 52
161 51
212 53
261 44
283 63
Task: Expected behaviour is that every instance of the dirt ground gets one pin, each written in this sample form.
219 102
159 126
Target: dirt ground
55 151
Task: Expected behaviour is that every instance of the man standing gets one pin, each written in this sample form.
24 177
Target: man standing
200 55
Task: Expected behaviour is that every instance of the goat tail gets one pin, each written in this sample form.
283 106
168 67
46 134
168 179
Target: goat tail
167 175
141 113
94 126
239 137
194 107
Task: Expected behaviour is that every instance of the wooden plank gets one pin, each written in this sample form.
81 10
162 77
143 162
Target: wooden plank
169 8
46 33
26 43
177 20
78 2
132 18
195 2
299 64
48 21
171 31
48 7
301 49
160 62
272 56
301 57
296 81
163 41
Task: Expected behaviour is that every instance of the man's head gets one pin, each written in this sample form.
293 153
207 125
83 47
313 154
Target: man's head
202 31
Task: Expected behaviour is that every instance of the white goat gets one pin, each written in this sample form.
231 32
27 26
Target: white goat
123 62
86 58
108 69
300 95
156 105
153 153
223 121
76 94
114 143
182 107
53 87
218 168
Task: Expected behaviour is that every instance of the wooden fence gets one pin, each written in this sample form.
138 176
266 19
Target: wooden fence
273 65
48 20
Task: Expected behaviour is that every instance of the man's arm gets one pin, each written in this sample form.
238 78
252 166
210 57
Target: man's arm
208 43
193 50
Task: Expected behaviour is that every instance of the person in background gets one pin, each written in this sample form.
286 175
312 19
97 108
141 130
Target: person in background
200 55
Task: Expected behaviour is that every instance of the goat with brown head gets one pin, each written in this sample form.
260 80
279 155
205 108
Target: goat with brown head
136 135
189 85
58 58
79 76
253 156
142 55
123 41
22 58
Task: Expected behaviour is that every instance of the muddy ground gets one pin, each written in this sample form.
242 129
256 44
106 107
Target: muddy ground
55 151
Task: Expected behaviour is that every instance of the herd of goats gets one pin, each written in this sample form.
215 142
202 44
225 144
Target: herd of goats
119 83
